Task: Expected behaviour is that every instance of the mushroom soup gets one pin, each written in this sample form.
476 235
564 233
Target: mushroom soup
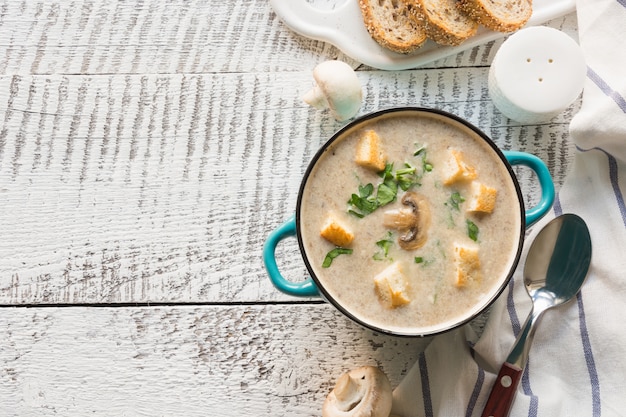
410 220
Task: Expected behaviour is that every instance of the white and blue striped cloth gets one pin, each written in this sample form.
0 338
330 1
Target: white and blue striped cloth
577 364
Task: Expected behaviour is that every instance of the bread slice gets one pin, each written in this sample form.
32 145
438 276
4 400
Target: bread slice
443 20
501 16
467 265
336 232
388 23
391 286
457 169
482 198
369 152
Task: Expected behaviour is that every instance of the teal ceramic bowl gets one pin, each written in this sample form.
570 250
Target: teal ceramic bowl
312 287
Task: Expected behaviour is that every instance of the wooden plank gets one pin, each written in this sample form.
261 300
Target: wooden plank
220 360
198 36
163 188
103 37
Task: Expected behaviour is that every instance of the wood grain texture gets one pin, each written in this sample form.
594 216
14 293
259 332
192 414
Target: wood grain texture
154 188
138 37
216 361
146 151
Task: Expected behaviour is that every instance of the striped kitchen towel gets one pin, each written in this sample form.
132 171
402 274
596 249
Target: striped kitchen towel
577 364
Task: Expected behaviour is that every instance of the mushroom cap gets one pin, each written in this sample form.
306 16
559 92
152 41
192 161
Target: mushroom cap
338 89
413 221
361 392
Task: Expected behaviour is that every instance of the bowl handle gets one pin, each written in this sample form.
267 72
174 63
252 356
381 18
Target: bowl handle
306 288
545 181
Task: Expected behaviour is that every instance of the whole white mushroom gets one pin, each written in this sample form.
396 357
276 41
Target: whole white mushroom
338 89
362 392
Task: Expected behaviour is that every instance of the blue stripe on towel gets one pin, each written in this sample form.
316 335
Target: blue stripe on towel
615 184
533 407
510 306
428 403
606 89
558 209
591 363
480 380
622 2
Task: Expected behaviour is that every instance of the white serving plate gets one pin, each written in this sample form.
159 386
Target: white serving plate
343 27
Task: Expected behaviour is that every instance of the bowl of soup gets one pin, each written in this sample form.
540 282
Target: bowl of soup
410 221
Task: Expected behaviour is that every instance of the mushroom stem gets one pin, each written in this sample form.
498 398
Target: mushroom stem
315 98
347 392
401 219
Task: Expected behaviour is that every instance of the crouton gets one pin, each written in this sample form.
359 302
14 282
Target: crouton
457 169
369 152
467 265
391 286
482 198
336 232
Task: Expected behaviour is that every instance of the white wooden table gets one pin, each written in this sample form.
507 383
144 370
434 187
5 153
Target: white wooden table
147 148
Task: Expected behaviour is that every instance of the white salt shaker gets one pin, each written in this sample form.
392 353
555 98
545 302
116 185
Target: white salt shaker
536 74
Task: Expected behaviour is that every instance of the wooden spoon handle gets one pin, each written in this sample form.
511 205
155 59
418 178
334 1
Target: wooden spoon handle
503 391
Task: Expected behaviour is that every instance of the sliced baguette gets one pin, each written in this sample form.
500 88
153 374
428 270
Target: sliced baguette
388 23
501 16
444 22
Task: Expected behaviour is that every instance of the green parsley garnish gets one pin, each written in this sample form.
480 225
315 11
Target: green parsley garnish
384 245
386 193
366 190
455 200
328 260
421 152
407 177
409 170
423 262
387 173
388 190
472 230
365 202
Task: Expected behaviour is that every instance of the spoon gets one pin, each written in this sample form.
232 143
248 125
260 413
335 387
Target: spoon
556 267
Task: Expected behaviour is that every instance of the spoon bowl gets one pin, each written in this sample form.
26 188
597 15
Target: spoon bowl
556 268
558 260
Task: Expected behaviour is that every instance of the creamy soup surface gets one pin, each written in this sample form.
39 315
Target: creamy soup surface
425 279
